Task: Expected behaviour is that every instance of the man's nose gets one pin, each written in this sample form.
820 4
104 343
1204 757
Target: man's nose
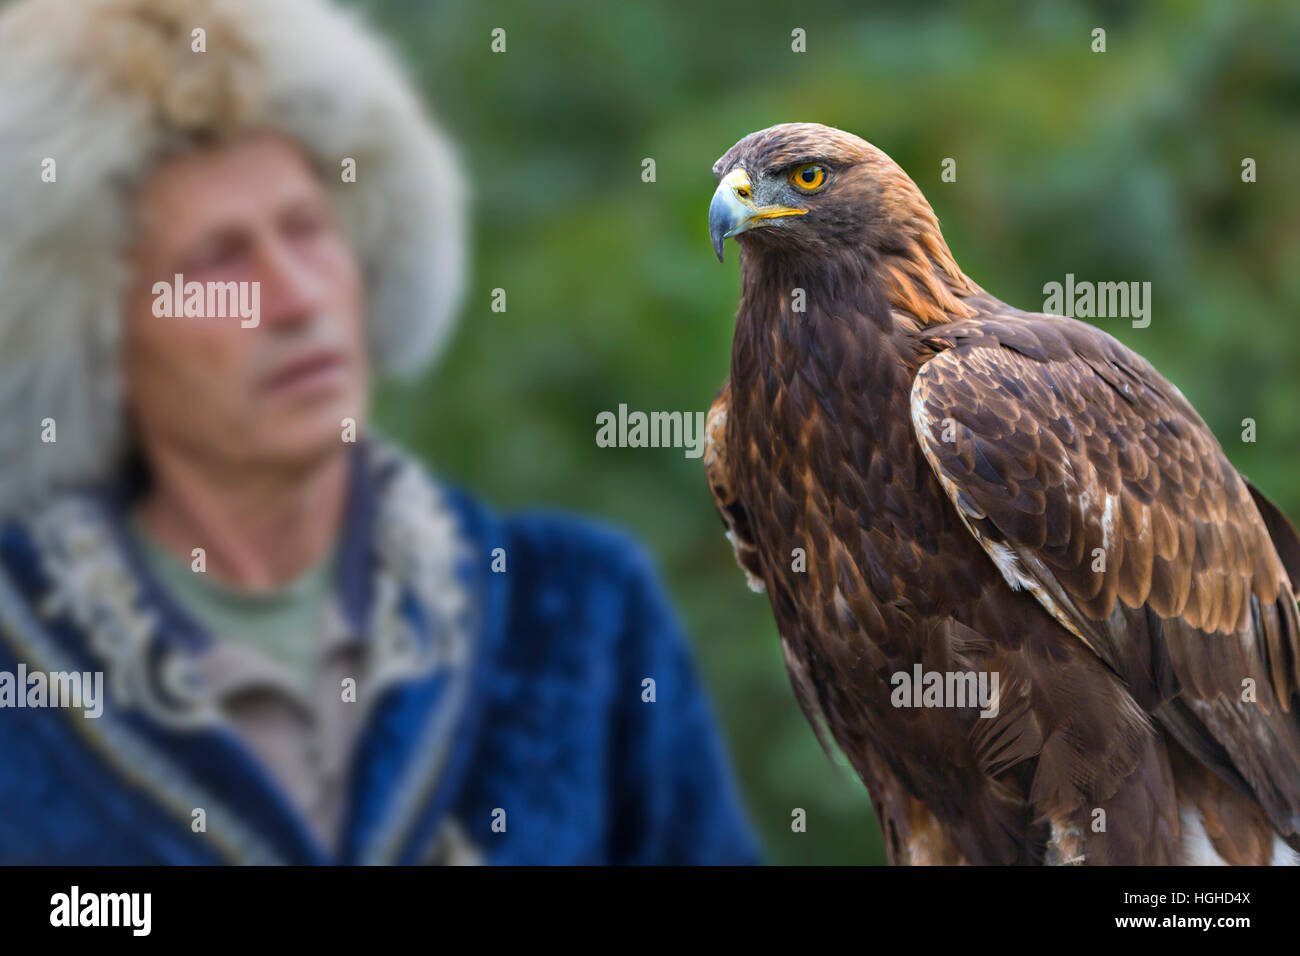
291 291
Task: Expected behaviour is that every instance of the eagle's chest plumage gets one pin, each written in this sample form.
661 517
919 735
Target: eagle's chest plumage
860 542
866 563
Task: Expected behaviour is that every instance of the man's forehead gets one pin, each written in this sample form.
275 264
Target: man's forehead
198 189
253 161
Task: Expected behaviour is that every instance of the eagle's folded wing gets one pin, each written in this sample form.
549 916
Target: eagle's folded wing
718 473
740 534
1092 483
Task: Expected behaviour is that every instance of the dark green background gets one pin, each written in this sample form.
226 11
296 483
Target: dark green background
1115 166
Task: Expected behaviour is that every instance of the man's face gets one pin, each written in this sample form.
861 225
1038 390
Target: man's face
276 393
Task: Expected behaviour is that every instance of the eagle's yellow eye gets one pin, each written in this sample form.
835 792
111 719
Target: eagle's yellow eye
808 176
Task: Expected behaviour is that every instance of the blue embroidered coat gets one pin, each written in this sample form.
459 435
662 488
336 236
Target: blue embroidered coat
512 698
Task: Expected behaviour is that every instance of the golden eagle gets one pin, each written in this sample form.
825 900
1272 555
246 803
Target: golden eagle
936 488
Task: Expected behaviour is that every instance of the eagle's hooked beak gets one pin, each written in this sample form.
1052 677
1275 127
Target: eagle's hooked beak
732 210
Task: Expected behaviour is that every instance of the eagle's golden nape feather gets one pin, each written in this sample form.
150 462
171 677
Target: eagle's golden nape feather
985 491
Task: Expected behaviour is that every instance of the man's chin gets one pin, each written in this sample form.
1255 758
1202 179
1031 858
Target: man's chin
303 436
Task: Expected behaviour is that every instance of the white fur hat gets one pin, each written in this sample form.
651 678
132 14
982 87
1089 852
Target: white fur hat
106 87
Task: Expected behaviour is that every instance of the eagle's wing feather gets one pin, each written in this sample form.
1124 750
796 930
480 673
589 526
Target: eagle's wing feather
740 534
718 472
1092 483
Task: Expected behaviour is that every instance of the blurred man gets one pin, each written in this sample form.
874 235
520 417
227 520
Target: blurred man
219 218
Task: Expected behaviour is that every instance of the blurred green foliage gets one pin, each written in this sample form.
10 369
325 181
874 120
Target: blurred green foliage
1122 165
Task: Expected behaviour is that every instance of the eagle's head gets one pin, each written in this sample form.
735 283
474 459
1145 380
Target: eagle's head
809 187
817 195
